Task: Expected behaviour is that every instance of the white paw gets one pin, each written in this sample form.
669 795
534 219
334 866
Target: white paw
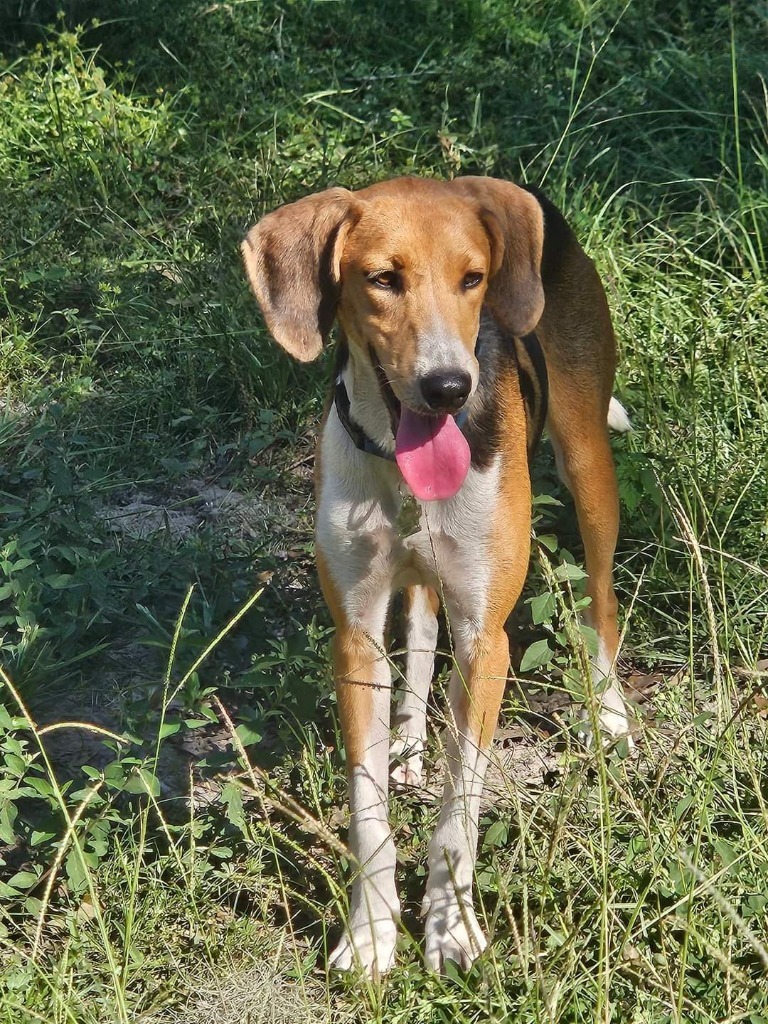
452 932
613 718
615 725
406 756
369 948
406 776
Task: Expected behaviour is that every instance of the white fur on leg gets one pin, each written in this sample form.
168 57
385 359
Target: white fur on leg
406 754
452 930
371 933
613 716
374 909
407 748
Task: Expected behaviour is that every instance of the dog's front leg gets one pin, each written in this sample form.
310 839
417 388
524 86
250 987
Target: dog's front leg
476 690
421 605
363 685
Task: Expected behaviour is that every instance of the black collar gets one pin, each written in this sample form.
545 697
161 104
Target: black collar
359 437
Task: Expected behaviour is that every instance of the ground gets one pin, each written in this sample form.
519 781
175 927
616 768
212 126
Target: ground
176 852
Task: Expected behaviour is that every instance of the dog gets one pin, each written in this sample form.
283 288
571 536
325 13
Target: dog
469 318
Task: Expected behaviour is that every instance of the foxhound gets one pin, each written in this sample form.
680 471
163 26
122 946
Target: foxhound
469 316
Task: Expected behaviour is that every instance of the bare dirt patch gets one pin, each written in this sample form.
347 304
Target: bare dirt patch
182 509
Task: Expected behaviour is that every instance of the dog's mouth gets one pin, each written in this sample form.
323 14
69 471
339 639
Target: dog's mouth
431 452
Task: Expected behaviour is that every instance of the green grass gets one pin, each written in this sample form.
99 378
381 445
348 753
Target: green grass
134 152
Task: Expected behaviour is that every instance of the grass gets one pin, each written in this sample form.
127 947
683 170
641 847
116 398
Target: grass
176 855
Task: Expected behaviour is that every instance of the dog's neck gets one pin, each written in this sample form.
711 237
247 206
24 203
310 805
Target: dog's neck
366 404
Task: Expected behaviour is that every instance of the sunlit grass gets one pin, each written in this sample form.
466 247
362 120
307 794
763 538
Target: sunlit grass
133 363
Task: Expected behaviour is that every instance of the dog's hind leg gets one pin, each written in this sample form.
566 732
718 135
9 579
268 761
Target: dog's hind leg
420 608
579 433
577 337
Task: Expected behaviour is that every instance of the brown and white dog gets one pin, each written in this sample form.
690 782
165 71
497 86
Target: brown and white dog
446 294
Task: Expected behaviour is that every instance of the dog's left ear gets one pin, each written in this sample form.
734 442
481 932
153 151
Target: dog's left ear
514 222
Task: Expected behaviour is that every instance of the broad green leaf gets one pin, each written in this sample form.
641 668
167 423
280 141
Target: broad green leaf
548 541
143 782
542 608
24 879
248 733
539 653
59 580
569 571
232 795
497 834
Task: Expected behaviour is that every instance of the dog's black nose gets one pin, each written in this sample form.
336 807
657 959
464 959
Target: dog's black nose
446 392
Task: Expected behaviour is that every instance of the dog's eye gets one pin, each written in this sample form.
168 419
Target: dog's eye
387 279
472 280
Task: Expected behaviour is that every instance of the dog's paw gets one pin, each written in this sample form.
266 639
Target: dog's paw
406 758
452 932
613 719
368 948
406 776
615 726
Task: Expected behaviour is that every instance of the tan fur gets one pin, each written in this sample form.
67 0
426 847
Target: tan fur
382 239
487 672
514 220
337 256
432 597
353 658
576 334
307 261
292 261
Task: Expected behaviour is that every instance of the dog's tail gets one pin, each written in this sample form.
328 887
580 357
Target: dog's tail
618 419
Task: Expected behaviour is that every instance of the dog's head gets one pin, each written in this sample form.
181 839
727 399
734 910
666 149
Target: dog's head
405 266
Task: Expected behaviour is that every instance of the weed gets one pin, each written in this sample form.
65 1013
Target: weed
171 794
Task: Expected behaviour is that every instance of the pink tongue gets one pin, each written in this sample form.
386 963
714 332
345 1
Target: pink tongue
432 453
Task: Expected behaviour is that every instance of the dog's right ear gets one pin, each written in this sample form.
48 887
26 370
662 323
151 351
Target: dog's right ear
292 259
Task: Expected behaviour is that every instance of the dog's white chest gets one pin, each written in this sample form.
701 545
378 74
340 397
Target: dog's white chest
373 540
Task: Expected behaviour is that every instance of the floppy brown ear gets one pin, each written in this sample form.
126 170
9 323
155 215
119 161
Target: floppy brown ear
292 260
515 225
